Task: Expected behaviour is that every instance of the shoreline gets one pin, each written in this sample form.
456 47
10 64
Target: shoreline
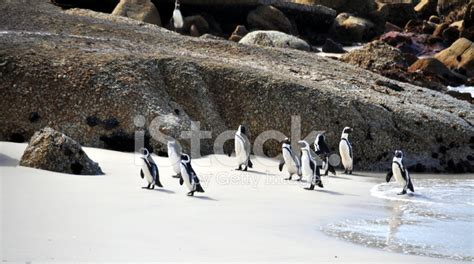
91 218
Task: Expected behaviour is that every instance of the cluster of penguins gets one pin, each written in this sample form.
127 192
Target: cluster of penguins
303 166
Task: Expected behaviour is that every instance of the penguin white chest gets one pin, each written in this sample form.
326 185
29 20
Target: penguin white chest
345 151
397 173
177 19
186 180
290 163
240 151
174 160
146 172
306 167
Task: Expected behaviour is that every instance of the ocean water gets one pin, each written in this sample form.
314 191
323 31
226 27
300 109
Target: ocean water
463 89
436 221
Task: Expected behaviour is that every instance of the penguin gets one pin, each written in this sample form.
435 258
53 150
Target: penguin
177 17
400 172
345 150
149 170
293 164
322 150
174 155
242 149
188 176
309 168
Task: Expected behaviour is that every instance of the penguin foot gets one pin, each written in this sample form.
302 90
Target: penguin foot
310 188
350 172
402 192
153 187
245 169
191 193
239 168
320 184
176 176
287 179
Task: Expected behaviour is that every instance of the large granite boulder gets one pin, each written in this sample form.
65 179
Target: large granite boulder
274 39
142 10
459 57
103 82
268 18
51 150
348 28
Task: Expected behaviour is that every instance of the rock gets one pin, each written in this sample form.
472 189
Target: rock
438 32
396 13
239 32
356 7
142 10
436 69
51 150
414 43
467 30
330 46
96 70
450 35
268 18
459 57
434 19
210 36
274 39
349 29
426 8
391 27
428 28
195 25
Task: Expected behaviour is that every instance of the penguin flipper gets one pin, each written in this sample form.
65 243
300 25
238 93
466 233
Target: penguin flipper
250 164
332 169
280 166
199 188
389 176
158 183
141 174
181 181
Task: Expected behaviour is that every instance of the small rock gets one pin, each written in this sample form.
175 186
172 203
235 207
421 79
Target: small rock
426 8
391 27
239 32
396 13
434 19
330 46
450 35
268 18
274 39
51 150
200 25
142 10
350 29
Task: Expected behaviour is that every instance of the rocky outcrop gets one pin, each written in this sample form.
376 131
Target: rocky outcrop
435 69
269 18
426 8
331 46
101 81
274 39
51 150
348 28
396 13
459 57
357 7
413 43
195 25
142 10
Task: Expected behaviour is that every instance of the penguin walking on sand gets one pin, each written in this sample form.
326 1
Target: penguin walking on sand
242 149
345 150
401 173
188 176
174 155
149 170
309 168
290 159
177 17
322 150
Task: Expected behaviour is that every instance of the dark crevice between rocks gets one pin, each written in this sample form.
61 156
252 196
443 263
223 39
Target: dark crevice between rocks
17 138
34 117
121 141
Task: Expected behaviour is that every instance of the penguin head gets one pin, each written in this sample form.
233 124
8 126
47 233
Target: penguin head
185 157
303 144
398 154
347 130
286 141
144 152
242 129
177 4
320 137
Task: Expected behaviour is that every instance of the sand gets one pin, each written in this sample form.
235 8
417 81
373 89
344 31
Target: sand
250 216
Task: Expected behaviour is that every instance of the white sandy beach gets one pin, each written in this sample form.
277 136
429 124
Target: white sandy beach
250 216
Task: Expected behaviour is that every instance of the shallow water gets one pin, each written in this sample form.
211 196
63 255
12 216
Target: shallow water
437 220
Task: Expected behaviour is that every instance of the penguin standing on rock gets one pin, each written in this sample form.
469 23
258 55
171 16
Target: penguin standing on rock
149 170
309 168
188 176
401 173
242 149
174 155
177 17
345 150
292 162
322 150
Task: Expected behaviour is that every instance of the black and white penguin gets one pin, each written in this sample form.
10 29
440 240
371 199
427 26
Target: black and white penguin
401 173
149 170
177 17
345 150
290 159
242 149
174 155
323 151
188 176
309 168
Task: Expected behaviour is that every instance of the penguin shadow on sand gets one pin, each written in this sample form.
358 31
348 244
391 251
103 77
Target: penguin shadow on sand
204 197
160 190
8 161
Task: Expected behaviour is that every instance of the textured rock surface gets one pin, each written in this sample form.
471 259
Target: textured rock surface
51 150
93 79
142 10
268 18
274 39
459 56
349 28
396 13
